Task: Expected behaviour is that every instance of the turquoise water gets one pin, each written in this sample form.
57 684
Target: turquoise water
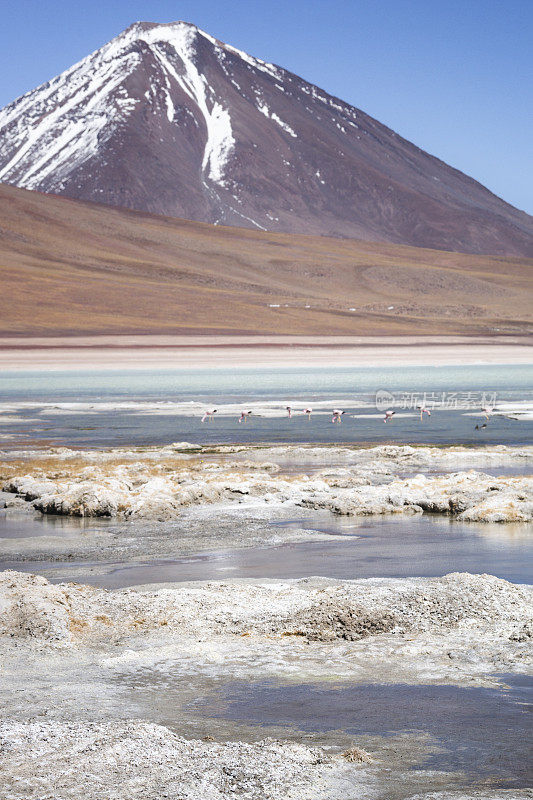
157 407
247 382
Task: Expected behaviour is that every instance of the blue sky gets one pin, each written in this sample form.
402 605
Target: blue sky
453 76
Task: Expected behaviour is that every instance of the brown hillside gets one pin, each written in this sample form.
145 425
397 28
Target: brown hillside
70 267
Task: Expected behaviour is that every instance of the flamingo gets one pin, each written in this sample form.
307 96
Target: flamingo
289 411
487 411
244 416
337 415
424 410
308 411
388 415
209 414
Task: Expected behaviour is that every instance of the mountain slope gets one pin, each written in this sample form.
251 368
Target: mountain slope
169 120
70 267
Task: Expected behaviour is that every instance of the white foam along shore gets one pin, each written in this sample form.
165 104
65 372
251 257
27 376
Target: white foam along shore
209 351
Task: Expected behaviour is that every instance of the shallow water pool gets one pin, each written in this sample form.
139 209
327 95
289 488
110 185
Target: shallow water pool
479 731
335 547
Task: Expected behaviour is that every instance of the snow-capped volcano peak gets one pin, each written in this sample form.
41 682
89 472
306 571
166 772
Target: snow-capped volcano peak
179 39
168 119
66 119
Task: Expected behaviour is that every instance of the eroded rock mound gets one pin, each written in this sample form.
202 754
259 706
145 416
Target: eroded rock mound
469 496
142 761
30 607
137 490
318 609
330 620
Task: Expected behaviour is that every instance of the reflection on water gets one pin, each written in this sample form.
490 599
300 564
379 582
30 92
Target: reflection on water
120 428
392 547
28 526
483 731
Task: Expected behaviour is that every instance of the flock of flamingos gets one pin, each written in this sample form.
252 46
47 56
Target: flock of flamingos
336 414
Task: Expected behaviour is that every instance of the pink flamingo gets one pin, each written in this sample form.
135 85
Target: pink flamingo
487 411
289 411
244 416
209 414
389 415
337 415
424 410
308 411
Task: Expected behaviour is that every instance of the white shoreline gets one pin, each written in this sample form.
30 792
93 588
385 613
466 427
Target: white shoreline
193 352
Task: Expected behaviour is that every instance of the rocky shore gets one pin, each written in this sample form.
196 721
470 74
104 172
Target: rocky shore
146 761
315 609
163 483
73 643
104 693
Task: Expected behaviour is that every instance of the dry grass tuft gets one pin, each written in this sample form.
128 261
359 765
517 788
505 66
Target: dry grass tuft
357 755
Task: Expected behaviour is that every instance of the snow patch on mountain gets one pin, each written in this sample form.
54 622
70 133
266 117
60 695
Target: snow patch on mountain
220 141
62 129
258 63
165 117
264 109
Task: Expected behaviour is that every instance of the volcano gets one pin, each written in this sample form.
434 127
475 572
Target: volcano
167 119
